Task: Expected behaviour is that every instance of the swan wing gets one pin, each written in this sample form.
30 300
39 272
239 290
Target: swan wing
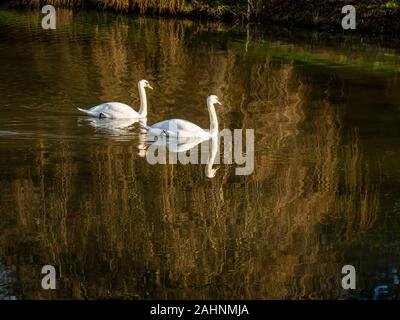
119 110
178 127
112 110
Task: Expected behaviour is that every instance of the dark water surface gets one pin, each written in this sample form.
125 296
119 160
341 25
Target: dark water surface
78 195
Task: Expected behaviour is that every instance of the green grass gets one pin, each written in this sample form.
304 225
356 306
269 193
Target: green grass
392 4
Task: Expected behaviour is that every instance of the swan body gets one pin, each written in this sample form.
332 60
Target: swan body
178 128
117 110
112 110
182 128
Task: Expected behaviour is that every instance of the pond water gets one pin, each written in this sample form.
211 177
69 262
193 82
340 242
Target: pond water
77 193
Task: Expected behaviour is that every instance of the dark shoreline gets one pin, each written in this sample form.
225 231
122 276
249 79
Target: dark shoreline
373 16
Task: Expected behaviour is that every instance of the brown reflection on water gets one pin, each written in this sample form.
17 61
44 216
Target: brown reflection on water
118 227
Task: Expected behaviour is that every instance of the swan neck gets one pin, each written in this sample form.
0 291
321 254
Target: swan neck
213 118
143 102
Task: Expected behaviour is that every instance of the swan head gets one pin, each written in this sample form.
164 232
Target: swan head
145 84
213 99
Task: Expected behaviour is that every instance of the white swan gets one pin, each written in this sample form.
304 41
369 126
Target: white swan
183 128
117 110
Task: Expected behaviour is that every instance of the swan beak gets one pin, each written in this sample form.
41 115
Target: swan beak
217 102
150 87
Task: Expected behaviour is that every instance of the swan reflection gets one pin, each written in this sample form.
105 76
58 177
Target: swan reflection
117 129
113 125
209 171
178 149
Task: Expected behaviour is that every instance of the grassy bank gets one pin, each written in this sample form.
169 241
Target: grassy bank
225 9
372 15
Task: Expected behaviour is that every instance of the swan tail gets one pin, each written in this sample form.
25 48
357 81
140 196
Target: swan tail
88 112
